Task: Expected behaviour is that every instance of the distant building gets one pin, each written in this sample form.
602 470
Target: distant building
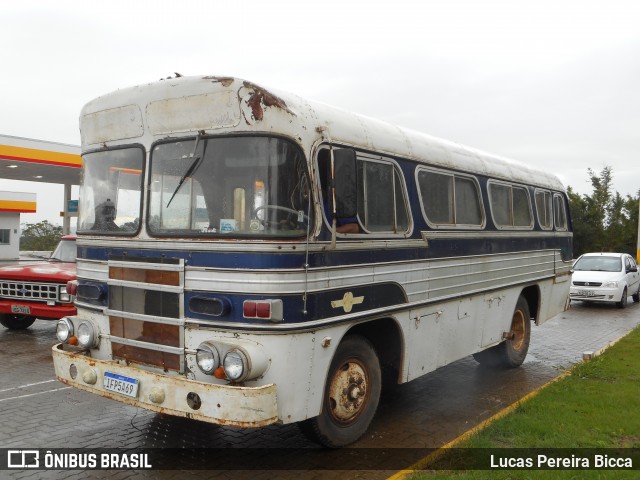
12 204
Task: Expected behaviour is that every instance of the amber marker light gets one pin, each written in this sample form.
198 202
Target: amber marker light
73 340
219 373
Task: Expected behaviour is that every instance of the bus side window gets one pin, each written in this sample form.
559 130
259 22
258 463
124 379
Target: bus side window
381 197
344 224
510 206
560 213
450 200
544 209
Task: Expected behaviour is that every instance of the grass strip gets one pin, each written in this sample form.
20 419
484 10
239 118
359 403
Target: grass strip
596 407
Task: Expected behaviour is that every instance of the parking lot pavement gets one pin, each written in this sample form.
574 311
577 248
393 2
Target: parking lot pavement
38 412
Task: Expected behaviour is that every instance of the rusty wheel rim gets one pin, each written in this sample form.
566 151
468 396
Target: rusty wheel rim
518 329
348 392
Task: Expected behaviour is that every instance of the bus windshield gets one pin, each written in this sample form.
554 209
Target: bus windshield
230 186
111 191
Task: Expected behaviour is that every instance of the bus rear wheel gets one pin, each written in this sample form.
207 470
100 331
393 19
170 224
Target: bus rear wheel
16 322
512 352
351 395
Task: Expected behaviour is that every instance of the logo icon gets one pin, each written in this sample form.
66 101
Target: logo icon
347 302
23 459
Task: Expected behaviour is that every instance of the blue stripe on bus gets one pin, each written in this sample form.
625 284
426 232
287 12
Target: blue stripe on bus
437 248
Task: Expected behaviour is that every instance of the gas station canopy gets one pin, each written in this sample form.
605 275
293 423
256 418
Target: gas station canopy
39 161
32 160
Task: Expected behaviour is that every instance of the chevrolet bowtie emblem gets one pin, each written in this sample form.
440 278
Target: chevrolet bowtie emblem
347 302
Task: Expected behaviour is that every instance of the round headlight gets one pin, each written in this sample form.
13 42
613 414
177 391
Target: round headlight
64 329
235 365
207 358
86 335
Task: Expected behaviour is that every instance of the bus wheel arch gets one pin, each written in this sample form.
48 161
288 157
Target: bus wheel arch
532 295
512 352
385 334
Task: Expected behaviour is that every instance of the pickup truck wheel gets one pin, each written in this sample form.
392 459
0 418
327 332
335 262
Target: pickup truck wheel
16 322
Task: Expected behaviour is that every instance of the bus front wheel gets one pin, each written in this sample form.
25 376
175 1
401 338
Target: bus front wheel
512 352
351 395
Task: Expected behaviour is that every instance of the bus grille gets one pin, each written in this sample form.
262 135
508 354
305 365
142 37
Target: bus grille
145 313
29 291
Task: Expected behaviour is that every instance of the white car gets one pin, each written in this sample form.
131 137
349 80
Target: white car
605 277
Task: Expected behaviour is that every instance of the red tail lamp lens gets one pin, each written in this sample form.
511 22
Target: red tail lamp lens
249 309
263 310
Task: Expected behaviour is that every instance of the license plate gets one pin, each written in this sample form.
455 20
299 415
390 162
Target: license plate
120 384
586 293
21 309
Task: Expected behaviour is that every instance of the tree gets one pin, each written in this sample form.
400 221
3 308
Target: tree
603 221
40 236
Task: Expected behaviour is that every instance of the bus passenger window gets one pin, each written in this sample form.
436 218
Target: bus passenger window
560 212
510 206
381 198
449 200
436 190
543 208
521 208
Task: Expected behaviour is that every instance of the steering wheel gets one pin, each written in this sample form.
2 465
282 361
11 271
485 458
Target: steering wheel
290 211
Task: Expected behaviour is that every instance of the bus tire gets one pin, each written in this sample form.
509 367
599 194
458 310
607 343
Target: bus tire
351 395
16 322
512 352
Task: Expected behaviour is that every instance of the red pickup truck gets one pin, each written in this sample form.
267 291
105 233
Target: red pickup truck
38 290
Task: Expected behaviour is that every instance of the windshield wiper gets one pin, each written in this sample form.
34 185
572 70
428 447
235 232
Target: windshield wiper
190 170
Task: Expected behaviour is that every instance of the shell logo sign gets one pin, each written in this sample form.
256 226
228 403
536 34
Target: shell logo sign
17 202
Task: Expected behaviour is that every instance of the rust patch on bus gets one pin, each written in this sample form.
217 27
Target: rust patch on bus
225 81
260 97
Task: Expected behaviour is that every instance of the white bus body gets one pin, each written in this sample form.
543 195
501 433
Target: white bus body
214 280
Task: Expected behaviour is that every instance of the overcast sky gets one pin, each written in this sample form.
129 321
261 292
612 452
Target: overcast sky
555 84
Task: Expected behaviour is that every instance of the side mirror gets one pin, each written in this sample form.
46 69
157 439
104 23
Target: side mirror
345 182
632 270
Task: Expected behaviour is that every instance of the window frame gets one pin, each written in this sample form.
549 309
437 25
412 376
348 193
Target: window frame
218 235
564 209
367 157
451 226
550 193
399 174
143 172
511 185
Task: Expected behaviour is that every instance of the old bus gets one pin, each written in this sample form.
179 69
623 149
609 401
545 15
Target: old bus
247 257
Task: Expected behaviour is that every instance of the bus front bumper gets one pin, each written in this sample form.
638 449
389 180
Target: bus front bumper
172 395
